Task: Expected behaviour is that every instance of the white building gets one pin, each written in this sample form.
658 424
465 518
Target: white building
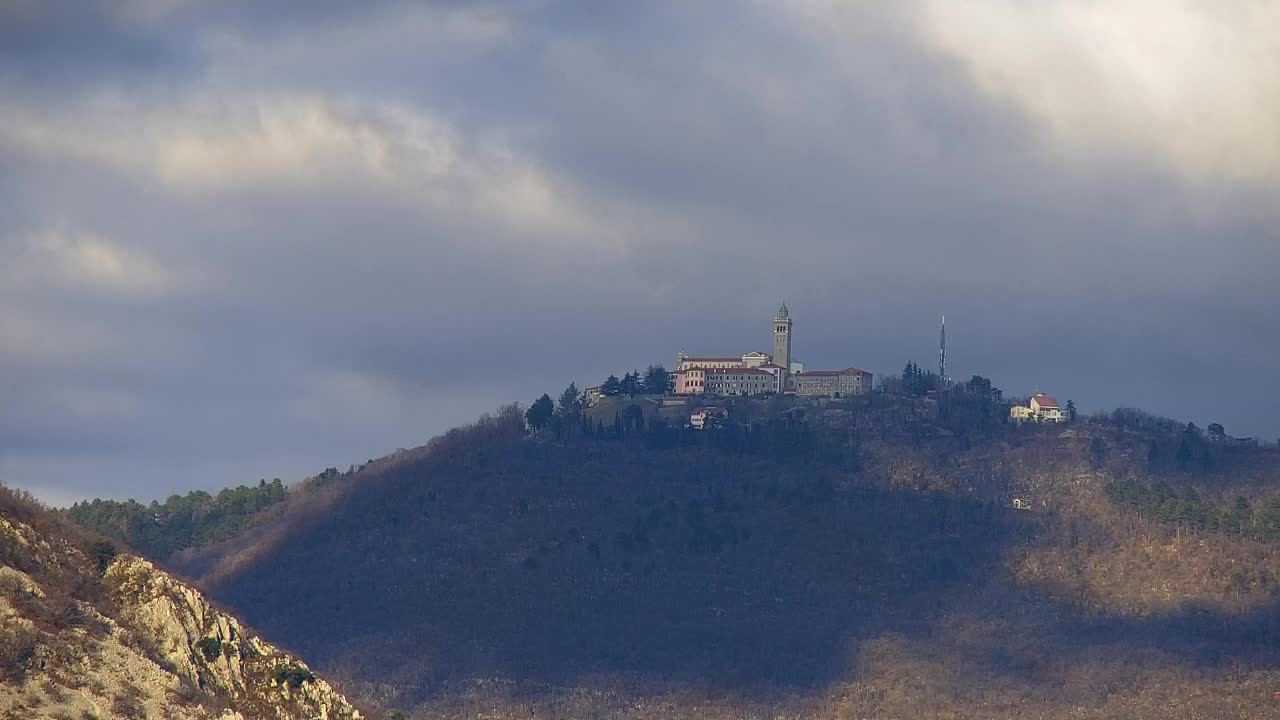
698 419
757 373
1041 408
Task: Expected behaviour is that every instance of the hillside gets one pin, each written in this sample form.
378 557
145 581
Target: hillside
854 559
89 633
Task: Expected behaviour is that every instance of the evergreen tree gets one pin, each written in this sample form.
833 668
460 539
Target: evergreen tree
633 418
631 384
612 387
979 385
657 381
1071 410
540 412
570 403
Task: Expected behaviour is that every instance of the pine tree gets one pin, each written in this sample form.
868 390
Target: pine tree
570 402
612 387
657 381
631 384
540 412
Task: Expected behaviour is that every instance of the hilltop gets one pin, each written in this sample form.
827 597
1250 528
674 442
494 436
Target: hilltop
92 633
851 558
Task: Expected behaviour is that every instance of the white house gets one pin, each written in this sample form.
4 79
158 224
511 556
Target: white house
1041 408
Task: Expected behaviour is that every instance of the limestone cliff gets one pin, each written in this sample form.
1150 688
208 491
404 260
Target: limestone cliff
100 637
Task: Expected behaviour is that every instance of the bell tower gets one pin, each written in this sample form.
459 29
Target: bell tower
782 339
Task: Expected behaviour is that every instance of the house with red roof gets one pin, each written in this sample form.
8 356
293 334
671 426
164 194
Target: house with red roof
1040 408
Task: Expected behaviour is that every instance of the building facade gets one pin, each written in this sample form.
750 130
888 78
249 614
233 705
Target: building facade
1041 408
690 381
741 381
756 373
832 383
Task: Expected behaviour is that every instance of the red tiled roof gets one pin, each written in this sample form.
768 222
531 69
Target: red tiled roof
772 365
710 359
1044 401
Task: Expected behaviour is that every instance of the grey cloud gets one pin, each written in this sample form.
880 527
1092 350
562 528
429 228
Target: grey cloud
595 190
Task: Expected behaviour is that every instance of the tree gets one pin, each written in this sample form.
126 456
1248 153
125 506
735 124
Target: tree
540 412
104 552
631 384
918 382
1184 454
657 381
633 418
1071 411
1097 453
1217 433
612 387
979 385
1153 454
570 402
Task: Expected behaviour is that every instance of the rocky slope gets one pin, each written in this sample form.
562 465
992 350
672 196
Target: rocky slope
85 634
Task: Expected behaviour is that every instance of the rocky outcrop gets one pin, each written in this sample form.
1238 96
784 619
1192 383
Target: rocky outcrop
133 643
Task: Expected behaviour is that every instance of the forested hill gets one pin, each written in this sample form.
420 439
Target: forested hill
860 558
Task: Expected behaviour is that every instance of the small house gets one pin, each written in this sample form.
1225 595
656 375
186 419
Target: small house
1041 408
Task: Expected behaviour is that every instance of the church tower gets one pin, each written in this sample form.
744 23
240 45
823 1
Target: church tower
782 339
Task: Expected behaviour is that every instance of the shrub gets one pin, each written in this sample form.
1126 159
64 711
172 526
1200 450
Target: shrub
210 647
292 675
17 647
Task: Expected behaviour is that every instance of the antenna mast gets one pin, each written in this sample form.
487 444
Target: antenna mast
942 354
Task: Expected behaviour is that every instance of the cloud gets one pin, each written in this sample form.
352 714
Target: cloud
1191 85
246 241
78 260
392 153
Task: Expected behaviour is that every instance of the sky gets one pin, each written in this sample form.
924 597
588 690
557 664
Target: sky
242 240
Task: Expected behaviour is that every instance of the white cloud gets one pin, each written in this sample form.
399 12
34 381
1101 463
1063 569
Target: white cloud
68 258
1194 86
213 146
389 152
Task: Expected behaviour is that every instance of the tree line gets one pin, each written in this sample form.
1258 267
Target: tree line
655 381
160 529
1187 509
